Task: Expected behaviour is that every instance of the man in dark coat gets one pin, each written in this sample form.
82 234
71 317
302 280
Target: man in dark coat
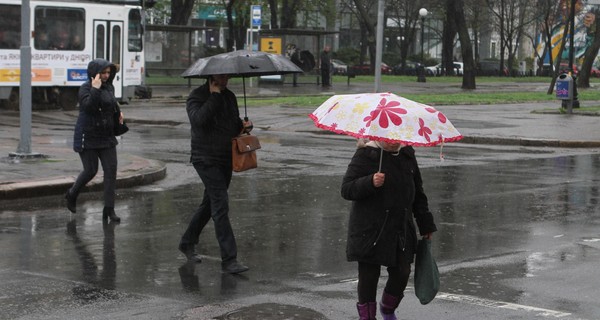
215 121
381 231
326 68
94 136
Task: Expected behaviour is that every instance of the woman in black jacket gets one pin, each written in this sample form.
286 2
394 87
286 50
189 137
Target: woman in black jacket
381 231
94 136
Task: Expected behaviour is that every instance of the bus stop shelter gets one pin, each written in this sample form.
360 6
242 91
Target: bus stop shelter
310 40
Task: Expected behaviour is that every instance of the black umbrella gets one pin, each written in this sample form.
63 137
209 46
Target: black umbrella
242 63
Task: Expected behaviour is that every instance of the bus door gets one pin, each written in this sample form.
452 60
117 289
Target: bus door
108 45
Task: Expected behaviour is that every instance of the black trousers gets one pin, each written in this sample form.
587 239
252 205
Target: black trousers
326 78
368 277
215 205
89 159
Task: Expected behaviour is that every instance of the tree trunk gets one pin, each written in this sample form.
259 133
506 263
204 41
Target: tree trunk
230 25
465 45
448 35
583 79
273 10
181 11
503 40
560 51
368 31
289 11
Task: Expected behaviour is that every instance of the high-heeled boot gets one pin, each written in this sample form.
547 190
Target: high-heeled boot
388 305
71 201
109 212
367 310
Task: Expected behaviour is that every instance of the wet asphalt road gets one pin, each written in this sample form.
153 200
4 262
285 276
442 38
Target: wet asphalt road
518 238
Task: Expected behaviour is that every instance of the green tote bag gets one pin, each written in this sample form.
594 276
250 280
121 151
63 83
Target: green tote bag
427 275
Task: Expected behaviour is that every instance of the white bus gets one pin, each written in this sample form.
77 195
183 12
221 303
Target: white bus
66 36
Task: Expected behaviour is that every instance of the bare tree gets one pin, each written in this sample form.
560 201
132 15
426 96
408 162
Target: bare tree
457 9
512 17
405 14
448 36
547 10
583 79
365 9
560 51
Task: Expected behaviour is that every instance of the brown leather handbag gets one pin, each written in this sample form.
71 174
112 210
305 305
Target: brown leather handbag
243 152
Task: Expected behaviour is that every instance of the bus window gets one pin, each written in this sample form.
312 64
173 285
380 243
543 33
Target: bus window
115 55
59 28
10 26
134 41
100 41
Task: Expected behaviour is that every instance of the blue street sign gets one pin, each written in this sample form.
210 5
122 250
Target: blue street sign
256 16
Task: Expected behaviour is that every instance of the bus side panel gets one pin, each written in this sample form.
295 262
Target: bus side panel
63 43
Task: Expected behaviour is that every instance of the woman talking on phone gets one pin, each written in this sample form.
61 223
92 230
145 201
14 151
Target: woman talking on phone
94 137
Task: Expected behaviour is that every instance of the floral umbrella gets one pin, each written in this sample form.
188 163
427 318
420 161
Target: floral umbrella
385 117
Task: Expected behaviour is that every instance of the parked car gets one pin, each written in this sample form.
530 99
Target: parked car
366 69
564 68
439 70
490 68
409 70
546 70
339 67
595 72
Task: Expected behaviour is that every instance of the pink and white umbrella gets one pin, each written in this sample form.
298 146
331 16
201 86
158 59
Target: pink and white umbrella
385 117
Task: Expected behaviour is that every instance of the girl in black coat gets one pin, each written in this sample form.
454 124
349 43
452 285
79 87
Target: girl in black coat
94 136
381 231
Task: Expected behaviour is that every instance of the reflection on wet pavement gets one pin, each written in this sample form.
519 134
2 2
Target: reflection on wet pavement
506 229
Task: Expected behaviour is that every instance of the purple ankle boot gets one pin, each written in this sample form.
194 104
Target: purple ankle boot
367 310
388 305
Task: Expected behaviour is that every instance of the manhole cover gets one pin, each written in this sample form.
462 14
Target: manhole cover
272 311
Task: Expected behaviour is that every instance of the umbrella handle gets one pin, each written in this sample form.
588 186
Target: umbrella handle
380 159
245 108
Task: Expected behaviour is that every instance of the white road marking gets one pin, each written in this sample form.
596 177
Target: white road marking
501 305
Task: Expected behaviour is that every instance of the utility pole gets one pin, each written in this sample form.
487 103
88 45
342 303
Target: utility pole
24 148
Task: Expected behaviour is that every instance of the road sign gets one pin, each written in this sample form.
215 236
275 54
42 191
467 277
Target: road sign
256 16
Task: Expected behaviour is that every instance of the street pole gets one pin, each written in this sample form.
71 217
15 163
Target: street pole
379 45
423 13
575 103
24 148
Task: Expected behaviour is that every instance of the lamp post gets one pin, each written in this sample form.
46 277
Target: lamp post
575 103
423 13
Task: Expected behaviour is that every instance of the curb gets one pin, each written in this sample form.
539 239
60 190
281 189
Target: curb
507 141
530 142
140 172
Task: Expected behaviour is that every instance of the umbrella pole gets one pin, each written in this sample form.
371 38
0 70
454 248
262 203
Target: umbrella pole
245 110
380 159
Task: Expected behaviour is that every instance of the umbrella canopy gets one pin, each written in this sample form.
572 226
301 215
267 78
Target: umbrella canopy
385 117
241 63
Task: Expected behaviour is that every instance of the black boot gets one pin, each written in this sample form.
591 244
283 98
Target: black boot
109 212
233 267
71 201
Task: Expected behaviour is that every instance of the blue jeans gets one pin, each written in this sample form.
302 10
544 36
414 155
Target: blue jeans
215 205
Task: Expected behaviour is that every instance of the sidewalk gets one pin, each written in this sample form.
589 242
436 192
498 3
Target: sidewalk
494 124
